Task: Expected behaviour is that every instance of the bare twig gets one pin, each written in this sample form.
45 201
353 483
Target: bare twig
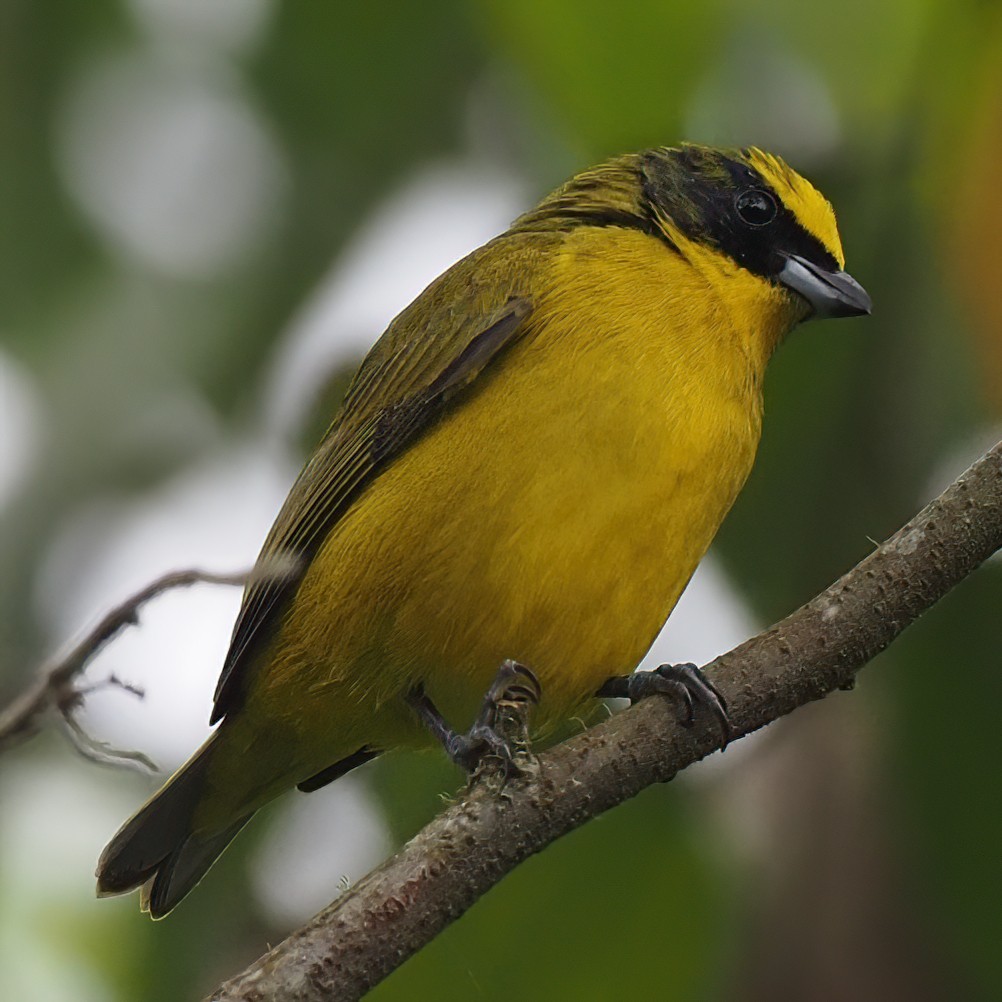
399 907
58 688
101 752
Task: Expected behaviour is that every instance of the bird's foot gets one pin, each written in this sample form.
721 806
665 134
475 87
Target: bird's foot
684 682
500 732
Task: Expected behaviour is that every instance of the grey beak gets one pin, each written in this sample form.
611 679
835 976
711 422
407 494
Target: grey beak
830 293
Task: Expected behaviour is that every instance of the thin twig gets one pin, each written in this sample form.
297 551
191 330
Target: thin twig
57 688
101 752
402 905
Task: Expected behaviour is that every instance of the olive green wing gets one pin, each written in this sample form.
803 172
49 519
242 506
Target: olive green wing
432 352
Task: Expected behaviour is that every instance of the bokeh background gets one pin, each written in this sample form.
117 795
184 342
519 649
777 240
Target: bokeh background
210 209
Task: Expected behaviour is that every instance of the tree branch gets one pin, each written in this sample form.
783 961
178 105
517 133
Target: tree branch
399 907
58 687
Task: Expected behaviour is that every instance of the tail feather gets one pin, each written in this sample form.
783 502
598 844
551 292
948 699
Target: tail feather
157 849
184 868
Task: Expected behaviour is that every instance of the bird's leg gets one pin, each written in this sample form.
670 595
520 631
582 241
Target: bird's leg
513 691
684 682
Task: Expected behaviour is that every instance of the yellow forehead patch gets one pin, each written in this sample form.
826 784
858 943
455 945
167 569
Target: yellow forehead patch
811 209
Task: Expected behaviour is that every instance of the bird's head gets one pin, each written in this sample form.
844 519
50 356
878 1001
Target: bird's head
746 205
759 212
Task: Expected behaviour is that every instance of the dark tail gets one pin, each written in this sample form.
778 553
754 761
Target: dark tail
156 848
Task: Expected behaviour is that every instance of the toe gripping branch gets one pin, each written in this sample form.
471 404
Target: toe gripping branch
501 728
684 682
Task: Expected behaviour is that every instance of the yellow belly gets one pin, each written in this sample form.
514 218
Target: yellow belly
554 516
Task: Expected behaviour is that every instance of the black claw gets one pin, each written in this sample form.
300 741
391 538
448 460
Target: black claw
689 704
684 682
515 685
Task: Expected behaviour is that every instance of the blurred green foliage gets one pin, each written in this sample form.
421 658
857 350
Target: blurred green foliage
864 421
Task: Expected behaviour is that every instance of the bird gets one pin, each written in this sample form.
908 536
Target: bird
523 475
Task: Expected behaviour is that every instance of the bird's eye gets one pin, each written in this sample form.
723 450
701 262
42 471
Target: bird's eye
756 207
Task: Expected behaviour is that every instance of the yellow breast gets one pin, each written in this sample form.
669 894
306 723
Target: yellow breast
554 516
